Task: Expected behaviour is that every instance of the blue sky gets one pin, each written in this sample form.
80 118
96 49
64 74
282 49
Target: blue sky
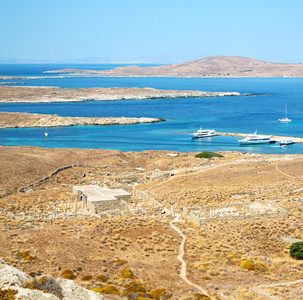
157 31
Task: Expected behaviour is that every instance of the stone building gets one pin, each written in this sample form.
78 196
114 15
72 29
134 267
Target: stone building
96 199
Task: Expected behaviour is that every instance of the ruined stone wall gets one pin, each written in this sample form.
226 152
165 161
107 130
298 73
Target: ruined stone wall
235 212
108 205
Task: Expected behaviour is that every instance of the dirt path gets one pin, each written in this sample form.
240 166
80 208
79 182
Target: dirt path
188 174
183 263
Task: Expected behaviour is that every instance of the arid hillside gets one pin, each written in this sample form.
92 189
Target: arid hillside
213 66
138 254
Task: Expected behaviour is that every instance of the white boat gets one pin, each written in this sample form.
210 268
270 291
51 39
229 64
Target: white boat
204 133
253 138
285 120
46 133
286 142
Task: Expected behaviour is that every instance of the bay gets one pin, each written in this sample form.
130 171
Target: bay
243 114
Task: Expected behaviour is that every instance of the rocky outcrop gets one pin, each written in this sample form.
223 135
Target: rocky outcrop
21 94
14 279
22 120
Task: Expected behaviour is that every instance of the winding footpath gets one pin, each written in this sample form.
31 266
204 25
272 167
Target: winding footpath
183 263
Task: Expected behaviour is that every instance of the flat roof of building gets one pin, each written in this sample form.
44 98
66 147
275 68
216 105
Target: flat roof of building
96 193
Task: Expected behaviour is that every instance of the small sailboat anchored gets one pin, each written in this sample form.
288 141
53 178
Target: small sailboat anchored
46 133
285 120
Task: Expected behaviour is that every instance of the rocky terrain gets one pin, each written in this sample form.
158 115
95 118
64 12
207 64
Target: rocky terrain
23 120
14 282
213 66
137 254
18 94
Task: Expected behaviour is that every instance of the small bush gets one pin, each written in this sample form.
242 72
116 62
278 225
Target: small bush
206 154
86 277
25 255
8 294
102 278
127 273
134 288
201 296
68 274
296 250
109 289
119 262
157 293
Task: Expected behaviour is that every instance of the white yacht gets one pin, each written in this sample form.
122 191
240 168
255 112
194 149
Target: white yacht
285 120
204 133
286 142
253 138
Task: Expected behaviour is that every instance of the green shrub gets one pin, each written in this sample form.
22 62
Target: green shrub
296 250
206 154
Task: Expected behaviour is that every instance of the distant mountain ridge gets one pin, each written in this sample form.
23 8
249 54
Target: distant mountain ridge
212 66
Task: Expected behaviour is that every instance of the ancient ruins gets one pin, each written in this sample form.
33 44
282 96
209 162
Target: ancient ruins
105 202
235 212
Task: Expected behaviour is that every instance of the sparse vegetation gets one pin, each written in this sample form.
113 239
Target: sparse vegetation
109 289
47 285
7 294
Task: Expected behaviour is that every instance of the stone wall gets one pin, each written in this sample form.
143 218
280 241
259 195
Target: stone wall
235 212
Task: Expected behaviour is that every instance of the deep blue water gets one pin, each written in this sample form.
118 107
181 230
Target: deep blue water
243 114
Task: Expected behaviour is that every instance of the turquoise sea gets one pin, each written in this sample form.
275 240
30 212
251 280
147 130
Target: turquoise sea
244 114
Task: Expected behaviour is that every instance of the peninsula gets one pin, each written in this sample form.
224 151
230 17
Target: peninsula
24 94
23 120
213 66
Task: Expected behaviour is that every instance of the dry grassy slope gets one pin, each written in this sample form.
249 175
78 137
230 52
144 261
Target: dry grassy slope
24 165
251 178
214 254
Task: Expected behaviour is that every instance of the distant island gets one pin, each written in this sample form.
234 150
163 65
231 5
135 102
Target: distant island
32 94
24 120
213 66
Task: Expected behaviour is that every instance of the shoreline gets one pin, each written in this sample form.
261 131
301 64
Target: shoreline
28 120
35 94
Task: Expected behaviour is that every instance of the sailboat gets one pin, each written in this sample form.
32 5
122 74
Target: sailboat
285 120
46 133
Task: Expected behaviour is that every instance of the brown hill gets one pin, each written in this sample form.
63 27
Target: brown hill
213 66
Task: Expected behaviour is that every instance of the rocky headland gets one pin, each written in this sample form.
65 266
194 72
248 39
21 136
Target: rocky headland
37 94
23 120
213 66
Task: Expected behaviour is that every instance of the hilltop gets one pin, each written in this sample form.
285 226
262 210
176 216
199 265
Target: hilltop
213 66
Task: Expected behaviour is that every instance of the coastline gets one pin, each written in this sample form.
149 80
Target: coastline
27 120
24 94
